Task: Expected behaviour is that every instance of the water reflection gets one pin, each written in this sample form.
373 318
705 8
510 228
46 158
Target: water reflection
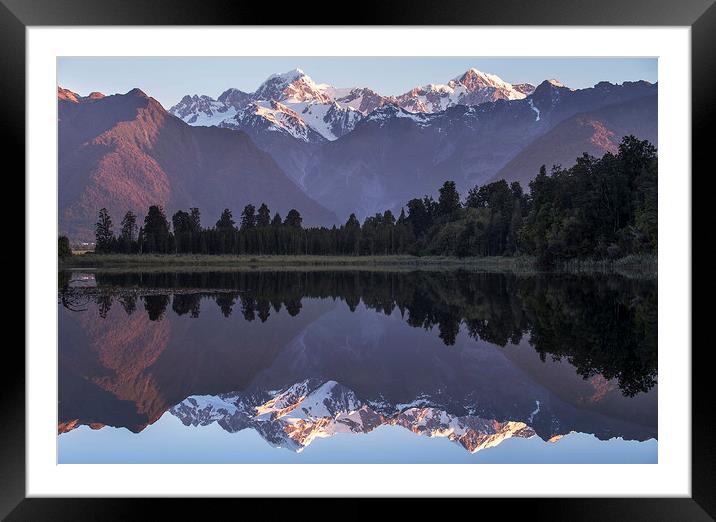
470 356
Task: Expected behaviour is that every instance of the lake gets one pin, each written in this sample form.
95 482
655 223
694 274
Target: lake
343 366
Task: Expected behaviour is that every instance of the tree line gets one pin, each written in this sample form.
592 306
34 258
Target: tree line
601 208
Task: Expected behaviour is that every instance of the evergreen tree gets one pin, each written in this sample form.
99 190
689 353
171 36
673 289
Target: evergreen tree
63 247
276 221
195 229
128 233
104 237
182 223
248 217
293 219
225 233
449 201
419 216
263 218
226 221
352 236
195 216
156 231
129 226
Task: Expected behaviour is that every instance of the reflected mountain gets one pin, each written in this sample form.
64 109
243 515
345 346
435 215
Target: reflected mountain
295 417
297 355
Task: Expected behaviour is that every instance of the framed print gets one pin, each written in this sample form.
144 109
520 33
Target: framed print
379 258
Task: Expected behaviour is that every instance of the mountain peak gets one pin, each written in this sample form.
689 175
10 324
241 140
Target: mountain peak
137 92
474 78
549 85
67 95
288 76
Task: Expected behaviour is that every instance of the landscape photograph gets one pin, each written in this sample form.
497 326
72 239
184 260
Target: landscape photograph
377 260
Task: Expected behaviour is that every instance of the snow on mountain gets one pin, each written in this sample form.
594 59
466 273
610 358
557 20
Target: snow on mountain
272 116
524 88
471 88
202 111
388 112
363 100
330 119
234 98
294 417
291 87
332 112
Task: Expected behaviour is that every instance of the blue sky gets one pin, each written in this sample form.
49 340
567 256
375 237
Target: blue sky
169 78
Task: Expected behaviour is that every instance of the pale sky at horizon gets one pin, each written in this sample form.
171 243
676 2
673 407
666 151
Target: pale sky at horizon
168 79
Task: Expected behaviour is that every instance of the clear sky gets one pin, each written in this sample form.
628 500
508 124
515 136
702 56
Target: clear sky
169 78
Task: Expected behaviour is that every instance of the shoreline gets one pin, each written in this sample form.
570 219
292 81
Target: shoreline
633 266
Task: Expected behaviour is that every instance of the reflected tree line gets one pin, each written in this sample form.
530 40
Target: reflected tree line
601 324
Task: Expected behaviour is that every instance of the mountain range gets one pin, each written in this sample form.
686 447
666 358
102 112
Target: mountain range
327 151
294 417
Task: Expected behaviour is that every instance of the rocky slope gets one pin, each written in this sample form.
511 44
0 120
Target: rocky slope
125 152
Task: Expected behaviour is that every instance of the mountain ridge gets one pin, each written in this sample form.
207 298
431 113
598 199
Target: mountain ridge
126 152
296 90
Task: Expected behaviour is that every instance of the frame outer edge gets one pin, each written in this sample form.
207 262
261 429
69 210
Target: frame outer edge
402 12
12 86
703 112
12 138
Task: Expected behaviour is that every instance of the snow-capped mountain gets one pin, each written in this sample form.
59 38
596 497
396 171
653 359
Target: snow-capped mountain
293 86
333 112
472 88
202 110
290 103
294 417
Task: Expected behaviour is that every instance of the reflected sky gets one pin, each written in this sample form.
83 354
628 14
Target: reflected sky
169 441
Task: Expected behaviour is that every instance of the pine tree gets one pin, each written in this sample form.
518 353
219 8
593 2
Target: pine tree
248 217
263 219
104 237
293 219
226 221
449 201
129 226
128 233
156 230
182 223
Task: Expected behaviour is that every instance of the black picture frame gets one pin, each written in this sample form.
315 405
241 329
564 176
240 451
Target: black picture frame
699 15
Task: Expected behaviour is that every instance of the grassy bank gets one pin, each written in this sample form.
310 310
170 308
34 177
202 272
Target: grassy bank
631 266
191 261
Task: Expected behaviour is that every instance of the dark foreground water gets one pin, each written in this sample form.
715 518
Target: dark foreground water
356 366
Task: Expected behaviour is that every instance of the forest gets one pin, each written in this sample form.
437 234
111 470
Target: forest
600 208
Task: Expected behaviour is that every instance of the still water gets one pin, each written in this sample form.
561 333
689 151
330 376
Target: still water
356 366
